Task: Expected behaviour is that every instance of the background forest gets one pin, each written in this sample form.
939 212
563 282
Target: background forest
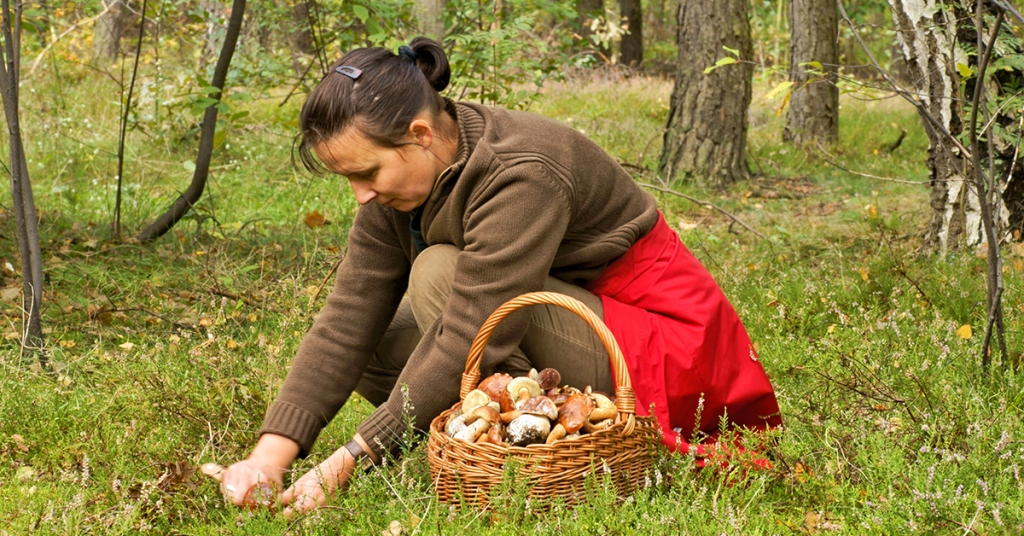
855 193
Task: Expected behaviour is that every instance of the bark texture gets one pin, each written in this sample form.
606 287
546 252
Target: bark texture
430 14
706 135
631 48
25 220
927 33
106 38
191 196
814 106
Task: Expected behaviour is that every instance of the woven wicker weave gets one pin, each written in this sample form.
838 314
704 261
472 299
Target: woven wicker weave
468 472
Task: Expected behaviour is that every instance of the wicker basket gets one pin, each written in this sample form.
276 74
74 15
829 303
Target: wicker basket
469 472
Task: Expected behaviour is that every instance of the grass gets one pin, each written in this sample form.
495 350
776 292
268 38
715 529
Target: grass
166 356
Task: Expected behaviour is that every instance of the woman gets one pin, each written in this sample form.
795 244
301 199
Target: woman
466 207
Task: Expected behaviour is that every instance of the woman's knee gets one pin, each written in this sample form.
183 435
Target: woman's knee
430 282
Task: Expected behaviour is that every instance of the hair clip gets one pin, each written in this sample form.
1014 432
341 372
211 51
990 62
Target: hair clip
349 71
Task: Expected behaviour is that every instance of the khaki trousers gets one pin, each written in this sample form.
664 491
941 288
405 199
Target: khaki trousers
556 337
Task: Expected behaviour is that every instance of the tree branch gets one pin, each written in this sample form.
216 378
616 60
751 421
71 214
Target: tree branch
704 204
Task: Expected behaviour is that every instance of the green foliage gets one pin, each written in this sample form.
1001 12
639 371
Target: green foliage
503 57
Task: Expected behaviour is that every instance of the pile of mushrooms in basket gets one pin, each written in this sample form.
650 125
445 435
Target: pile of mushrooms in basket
527 410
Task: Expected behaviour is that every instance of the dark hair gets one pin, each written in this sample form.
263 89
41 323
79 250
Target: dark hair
381 101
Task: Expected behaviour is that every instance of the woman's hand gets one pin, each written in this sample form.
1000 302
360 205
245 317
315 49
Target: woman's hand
266 464
312 490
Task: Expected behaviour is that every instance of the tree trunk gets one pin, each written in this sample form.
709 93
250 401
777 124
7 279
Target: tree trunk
927 34
706 135
302 36
185 202
25 221
587 11
430 14
631 49
106 39
814 106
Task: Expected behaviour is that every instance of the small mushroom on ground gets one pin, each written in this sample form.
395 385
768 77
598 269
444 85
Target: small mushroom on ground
478 422
475 399
548 378
262 494
571 416
494 384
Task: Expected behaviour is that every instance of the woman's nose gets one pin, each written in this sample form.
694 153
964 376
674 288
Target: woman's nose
364 194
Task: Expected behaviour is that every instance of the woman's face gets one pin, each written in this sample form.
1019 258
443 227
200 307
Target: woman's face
397 177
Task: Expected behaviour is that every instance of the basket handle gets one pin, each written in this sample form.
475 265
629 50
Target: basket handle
625 399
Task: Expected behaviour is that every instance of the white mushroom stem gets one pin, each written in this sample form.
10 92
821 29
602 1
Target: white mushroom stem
473 430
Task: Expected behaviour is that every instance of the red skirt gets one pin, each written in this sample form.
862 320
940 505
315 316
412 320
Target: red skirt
686 349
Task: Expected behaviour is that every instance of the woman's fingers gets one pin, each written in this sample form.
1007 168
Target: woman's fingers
306 494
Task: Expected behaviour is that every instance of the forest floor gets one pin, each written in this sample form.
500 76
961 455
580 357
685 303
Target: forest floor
166 356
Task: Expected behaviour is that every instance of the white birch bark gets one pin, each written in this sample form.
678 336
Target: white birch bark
927 33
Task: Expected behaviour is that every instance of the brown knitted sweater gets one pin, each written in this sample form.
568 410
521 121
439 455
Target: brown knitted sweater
526 197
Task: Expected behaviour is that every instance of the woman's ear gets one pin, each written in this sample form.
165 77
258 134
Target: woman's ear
421 132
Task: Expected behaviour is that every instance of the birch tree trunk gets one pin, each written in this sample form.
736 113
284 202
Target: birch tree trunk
706 135
927 31
814 106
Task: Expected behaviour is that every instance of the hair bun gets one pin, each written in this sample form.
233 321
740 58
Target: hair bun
431 61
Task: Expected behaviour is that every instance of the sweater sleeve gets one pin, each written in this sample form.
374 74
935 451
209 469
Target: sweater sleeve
335 352
513 228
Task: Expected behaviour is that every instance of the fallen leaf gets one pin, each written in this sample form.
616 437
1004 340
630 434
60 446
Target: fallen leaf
232 344
127 345
863 273
10 293
315 219
964 332
811 521
872 211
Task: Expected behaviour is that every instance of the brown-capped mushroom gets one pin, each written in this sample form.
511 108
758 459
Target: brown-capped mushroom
571 416
528 429
548 378
475 399
494 435
540 405
494 384
591 427
506 401
260 495
477 423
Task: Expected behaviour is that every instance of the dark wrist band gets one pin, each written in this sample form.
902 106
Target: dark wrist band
362 459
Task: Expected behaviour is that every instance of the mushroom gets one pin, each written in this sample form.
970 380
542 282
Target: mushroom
456 423
571 416
605 408
494 434
533 375
475 399
548 378
262 494
515 387
540 405
506 402
528 429
477 423
591 427
494 384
